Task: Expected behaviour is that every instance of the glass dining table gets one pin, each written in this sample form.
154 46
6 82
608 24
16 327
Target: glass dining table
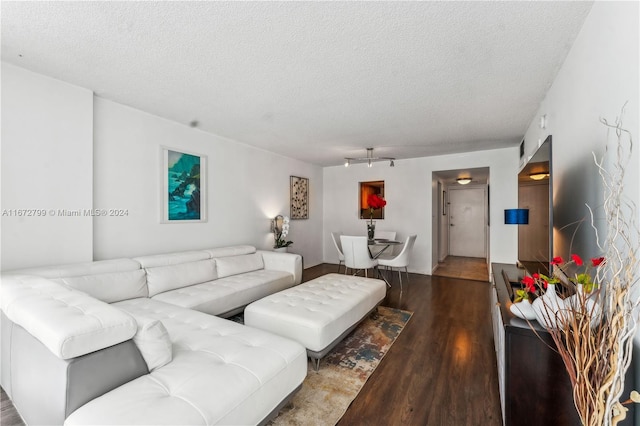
383 243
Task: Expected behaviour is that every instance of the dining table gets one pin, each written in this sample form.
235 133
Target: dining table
381 242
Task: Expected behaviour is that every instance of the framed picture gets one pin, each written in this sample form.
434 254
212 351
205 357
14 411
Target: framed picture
184 186
299 198
444 203
366 190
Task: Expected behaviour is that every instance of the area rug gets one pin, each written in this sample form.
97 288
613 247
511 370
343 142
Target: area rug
327 393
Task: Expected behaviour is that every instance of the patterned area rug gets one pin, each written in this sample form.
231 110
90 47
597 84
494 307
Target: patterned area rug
327 393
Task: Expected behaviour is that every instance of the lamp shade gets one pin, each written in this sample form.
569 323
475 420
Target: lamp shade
516 216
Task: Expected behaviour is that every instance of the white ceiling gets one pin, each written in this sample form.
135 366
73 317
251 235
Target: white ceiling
316 81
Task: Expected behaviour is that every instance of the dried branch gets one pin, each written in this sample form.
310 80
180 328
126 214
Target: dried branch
594 333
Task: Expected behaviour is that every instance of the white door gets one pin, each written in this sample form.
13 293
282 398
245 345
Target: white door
467 219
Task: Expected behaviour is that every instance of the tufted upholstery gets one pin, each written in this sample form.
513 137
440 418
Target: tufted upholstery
226 294
317 312
251 367
69 323
63 320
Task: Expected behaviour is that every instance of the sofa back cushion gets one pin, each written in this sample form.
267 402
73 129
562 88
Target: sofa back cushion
106 280
112 287
171 277
154 260
80 269
215 253
234 265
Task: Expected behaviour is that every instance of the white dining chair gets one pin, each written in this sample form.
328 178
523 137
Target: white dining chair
356 254
401 260
335 236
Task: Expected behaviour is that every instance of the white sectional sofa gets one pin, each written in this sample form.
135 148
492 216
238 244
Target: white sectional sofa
142 341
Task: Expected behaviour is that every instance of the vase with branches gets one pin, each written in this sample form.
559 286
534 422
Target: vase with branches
594 332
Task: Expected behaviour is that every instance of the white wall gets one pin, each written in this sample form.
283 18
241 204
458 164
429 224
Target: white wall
598 76
409 191
46 165
247 187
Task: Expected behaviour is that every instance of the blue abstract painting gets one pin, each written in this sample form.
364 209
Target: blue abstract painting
184 199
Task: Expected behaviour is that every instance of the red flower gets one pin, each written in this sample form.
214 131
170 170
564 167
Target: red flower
577 260
546 284
375 202
528 281
536 276
597 261
557 261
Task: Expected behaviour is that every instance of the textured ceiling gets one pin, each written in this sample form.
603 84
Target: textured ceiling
316 81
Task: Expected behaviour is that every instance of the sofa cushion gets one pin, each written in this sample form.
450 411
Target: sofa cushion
112 287
221 373
229 251
226 294
165 278
152 339
235 265
154 260
80 269
68 322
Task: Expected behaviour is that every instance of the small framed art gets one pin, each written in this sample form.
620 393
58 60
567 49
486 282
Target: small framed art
299 188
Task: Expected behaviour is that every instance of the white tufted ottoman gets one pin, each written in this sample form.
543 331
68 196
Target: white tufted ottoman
319 313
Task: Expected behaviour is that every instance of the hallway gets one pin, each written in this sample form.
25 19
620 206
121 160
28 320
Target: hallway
468 268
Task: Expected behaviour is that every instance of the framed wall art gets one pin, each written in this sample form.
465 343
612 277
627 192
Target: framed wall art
367 189
299 198
184 179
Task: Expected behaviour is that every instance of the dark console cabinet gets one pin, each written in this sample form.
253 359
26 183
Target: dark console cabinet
534 386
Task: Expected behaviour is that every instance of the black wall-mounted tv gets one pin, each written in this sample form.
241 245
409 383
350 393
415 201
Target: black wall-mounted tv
535 192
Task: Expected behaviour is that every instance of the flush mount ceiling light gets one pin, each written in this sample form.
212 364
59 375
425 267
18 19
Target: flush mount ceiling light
463 180
538 176
369 159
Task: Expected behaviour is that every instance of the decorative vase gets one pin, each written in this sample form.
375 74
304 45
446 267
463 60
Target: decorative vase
548 308
281 249
583 303
371 230
523 309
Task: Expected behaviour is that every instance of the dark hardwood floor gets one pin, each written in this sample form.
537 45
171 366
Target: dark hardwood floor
442 368
440 371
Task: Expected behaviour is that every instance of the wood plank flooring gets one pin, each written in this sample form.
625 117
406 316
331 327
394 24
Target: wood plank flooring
441 370
468 268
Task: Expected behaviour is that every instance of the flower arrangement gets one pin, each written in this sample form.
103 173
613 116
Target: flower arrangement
589 283
374 201
281 234
594 332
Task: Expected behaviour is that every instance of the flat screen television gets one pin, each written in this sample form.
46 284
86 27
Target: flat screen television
535 193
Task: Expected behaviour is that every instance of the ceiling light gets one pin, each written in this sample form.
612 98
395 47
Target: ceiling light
538 176
369 159
463 181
